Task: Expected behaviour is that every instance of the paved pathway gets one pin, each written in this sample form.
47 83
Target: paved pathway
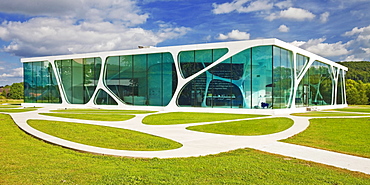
200 144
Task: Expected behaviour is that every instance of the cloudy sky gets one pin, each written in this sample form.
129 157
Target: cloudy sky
336 29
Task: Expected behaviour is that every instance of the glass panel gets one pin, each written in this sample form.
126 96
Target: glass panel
28 82
320 84
91 76
301 62
142 79
193 94
103 98
340 89
40 84
193 61
283 78
79 78
261 76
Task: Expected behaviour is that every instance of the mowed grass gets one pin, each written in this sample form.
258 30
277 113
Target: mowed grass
92 116
346 135
192 117
103 136
103 111
96 114
9 106
11 101
247 127
27 160
356 108
327 114
11 110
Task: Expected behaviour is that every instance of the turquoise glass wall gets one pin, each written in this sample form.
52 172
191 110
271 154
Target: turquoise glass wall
148 79
283 78
230 85
193 61
79 78
261 77
316 87
340 88
40 85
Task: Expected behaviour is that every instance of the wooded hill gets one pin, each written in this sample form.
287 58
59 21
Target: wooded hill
358 71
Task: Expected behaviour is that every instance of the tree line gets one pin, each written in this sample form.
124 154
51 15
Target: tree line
14 91
357 82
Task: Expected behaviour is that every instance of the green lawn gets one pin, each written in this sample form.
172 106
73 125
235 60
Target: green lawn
246 128
356 108
103 136
93 116
7 110
103 111
192 117
344 135
327 114
9 106
27 160
11 101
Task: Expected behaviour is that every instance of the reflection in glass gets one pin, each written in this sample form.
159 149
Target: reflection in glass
40 85
79 78
148 79
103 98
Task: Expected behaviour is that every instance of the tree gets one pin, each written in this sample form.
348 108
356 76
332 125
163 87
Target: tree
16 91
356 93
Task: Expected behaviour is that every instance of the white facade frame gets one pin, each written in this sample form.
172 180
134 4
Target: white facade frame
233 48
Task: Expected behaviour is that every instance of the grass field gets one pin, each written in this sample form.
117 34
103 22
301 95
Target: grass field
92 116
11 101
96 114
102 136
327 114
246 128
27 160
192 117
346 135
79 111
10 110
9 106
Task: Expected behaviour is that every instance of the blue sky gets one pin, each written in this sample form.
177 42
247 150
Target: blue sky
336 29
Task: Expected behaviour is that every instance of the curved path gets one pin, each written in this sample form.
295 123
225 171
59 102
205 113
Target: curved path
199 143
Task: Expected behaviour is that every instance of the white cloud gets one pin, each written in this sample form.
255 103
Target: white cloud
362 35
291 13
283 28
238 5
318 47
353 58
234 35
367 50
324 17
48 36
360 42
123 11
284 4
90 26
13 73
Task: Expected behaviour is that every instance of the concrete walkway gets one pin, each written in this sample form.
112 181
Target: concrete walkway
200 144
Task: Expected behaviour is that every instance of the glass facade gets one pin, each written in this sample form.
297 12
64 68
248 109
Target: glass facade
316 87
79 78
260 77
148 79
40 85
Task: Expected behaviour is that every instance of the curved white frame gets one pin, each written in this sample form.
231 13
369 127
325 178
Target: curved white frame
233 48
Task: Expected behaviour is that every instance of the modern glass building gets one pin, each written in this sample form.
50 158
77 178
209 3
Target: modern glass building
243 75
